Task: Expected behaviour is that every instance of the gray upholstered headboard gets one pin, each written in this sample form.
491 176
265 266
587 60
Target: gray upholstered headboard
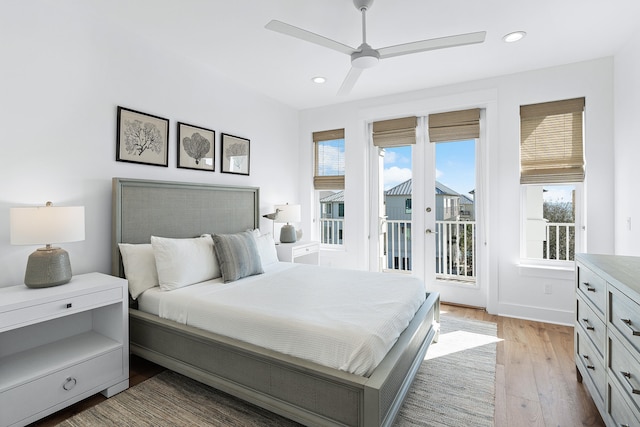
143 208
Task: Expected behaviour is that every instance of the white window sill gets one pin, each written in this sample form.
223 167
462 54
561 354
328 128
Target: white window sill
564 271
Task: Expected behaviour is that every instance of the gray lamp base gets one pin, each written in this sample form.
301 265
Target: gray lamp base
288 234
48 267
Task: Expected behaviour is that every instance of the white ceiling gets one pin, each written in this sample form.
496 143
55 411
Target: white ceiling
229 37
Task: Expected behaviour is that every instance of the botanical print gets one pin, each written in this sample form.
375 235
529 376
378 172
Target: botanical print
235 154
195 147
141 138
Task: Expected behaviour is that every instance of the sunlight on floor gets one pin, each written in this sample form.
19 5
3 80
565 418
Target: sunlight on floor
454 342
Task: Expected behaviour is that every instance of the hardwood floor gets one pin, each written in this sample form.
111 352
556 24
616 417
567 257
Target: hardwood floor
535 376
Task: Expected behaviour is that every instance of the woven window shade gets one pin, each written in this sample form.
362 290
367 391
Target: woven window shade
329 162
551 142
454 125
395 132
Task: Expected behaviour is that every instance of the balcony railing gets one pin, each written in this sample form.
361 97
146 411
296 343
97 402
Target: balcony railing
455 245
455 248
560 241
331 231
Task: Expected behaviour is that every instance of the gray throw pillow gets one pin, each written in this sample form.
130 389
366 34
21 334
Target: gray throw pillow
237 255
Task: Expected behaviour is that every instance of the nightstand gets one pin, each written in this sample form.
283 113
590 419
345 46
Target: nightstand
61 344
300 252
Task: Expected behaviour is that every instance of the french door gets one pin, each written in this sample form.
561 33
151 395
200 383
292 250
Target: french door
425 211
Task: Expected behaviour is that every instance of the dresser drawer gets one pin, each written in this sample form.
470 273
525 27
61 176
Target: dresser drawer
61 307
40 394
591 362
592 286
626 369
619 410
624 316
593 326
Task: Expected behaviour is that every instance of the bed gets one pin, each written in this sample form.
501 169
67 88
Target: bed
302 390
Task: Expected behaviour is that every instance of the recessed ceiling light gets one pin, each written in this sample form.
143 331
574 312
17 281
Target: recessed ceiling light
514 37
318 79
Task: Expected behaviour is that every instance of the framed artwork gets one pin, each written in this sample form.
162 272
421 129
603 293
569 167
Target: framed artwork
142 138
235 154
196 147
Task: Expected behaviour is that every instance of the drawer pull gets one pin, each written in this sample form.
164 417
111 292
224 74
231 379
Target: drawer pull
586 324
69 304
627 322
69 383
586 357
589 288
627 377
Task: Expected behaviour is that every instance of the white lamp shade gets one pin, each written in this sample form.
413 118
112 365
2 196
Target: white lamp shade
288 213
46 225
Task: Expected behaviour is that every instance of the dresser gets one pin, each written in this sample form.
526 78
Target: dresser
61 344
607 334
300 252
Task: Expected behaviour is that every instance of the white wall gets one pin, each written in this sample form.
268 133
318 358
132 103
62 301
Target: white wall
627 148
512 290
64 71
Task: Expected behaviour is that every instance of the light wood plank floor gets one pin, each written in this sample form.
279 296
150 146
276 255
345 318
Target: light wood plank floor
535 376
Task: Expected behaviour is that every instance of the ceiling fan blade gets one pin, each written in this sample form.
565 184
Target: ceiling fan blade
432 44
290 30
350 81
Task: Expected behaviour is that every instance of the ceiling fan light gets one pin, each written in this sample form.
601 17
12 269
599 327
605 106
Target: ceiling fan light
365 58
514 37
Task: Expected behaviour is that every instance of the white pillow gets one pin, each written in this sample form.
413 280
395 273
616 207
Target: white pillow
139 267
266 247
183 262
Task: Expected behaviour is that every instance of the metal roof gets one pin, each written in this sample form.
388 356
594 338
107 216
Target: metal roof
333 197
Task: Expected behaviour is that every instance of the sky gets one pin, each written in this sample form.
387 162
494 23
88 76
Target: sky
455 166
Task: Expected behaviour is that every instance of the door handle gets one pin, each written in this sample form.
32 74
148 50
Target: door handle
428 231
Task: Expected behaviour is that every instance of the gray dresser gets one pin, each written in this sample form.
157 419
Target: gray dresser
607 334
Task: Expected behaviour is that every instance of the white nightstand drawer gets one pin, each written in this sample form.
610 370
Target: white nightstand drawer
300 252
61 307
306 249
31 398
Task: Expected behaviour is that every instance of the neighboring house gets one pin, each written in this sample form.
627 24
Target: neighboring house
467 208
332 217
450 206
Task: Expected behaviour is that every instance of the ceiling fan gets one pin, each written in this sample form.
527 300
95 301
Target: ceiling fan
365 56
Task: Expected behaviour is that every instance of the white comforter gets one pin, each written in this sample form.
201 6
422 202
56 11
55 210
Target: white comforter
343 319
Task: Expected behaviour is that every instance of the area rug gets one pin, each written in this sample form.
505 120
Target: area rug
454 387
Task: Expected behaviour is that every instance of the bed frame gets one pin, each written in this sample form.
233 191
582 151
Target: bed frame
303 391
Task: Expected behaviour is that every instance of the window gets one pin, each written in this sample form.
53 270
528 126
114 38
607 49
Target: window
407 206
551 174
328 181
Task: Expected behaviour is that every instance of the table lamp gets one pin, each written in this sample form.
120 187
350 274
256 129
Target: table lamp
47 266
287 214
